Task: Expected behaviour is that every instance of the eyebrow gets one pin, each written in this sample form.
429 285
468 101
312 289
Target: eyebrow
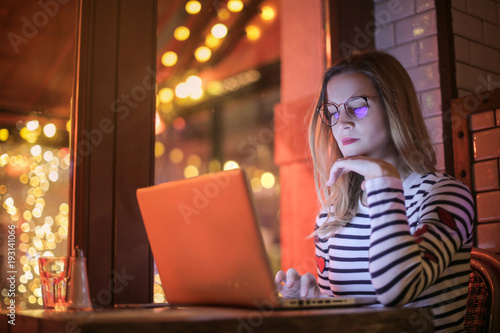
355 95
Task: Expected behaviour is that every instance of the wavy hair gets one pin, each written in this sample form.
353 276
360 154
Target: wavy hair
407 130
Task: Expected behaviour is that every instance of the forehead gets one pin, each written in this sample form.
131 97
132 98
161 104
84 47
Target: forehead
343 86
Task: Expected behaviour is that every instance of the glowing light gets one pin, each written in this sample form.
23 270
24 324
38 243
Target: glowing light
219 30
169 58
181 33
194 81
182 90
53 176
267 180
49 130
196 93
229 165
253 33
179 123
193 7
256 185
235 5
202 53
9 202
267 13
166 95
32 125
36 150
176 155
68 126
48 156
24 178
223 14
64 208
159 149
194 160
159 125
215 88
4 134
191 171
214 166
212 41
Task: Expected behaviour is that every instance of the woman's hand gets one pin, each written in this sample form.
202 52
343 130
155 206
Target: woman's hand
292 284
365 166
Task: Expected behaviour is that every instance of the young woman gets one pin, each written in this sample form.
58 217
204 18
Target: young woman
390 225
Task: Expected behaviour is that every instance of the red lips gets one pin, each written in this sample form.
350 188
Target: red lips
347 141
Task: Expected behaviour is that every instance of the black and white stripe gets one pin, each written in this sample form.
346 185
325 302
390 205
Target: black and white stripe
377 252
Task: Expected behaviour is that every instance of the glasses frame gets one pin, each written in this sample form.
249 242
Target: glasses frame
337 106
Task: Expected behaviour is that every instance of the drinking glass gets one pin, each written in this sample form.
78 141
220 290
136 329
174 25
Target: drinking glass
54 273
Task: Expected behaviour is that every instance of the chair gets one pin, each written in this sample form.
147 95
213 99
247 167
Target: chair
483 302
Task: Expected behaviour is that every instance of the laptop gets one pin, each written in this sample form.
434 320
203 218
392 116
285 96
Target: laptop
205 237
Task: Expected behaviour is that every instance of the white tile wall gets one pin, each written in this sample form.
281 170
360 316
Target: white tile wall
425 77
428 50
430 102
416 26
384 37
423 5
406 54
411 36
435 128
406 8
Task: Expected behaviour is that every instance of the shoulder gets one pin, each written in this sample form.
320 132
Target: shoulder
435 182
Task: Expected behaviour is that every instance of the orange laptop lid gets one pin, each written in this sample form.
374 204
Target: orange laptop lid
206 241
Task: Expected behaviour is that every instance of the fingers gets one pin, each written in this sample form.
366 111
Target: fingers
292 276
308 286
336 172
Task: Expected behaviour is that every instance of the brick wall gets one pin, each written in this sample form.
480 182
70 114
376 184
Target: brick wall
407 30
476 27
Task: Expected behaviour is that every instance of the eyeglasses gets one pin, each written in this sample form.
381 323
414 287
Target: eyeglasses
355 107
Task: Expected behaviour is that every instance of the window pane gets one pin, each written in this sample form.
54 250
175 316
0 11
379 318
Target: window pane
36 84
218 83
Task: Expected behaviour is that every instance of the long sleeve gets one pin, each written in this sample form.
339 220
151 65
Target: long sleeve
410 248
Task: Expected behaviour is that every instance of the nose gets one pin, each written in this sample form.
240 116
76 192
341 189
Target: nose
344 120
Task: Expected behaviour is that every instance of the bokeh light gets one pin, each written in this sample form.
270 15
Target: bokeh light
202 53
169 58
181 33
193 7
235 5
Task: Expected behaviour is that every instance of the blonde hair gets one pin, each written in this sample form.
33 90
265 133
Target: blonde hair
407 129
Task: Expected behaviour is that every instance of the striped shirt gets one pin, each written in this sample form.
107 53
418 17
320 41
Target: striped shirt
410 247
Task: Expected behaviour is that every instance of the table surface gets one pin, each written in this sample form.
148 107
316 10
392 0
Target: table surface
221 320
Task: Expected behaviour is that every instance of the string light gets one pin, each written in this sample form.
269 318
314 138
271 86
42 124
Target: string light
202 53
193 7
169 58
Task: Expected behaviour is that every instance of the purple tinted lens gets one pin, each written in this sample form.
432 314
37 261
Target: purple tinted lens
361 112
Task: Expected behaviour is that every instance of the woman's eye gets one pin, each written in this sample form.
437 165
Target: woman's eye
360 112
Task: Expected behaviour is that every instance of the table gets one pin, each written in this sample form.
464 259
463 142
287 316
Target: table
222 320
